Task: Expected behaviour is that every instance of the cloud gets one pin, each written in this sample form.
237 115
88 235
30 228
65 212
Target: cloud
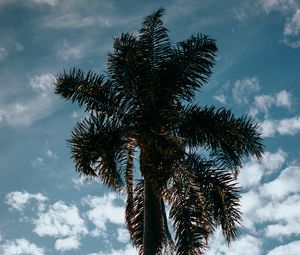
67 244
264 103
123 235
291 248
60 220
250 168
68 51
3 53
284 99
49 2
41 104
288 126
243 88
273 161
278 5
43 84
77 21
220 98
292 27
244 245
104 210
20 247
51 154
128 250
285 184
253 171
19 200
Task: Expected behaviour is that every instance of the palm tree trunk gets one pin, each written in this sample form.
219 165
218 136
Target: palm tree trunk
152 220
152 237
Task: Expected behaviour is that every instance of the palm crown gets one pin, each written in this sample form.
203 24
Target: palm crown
188 155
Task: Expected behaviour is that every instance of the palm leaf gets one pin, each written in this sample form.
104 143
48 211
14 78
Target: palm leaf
87 89
228 138
154 41
96 145
189 66
219 191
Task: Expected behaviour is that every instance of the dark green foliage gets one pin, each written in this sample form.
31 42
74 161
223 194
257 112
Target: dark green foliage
145 102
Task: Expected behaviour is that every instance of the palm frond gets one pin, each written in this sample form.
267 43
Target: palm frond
136 216
96 145
228 138
129 184
219 192
154 41
189 66
87 89
192 223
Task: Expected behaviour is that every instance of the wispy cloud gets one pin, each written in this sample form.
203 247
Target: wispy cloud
220 98
78 21
243 88
3 53
41 104
47 2
66 51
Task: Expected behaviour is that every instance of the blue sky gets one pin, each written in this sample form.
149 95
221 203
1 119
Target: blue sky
46 208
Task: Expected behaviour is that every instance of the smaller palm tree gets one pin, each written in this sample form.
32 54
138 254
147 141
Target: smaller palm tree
188 155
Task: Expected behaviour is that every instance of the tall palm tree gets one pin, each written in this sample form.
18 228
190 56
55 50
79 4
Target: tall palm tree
188 155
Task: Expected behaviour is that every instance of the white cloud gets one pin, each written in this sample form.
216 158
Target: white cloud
67 51
61 220
284 99
243 88
40 105
263 103
244 245
19 200
3 53
123 235
292 27
285 184
49 2
253 169
278 5
38 161
20 247
267 128
67 244
51 154
291 248
272 162
220 98
103 210
43 84
128 250
250 202
289 126
77 21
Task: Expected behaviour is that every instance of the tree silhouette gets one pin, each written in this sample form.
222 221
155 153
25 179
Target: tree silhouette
188 155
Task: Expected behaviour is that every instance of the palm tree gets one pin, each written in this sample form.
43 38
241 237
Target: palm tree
188 155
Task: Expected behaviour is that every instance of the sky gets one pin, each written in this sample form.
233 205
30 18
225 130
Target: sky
46 208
